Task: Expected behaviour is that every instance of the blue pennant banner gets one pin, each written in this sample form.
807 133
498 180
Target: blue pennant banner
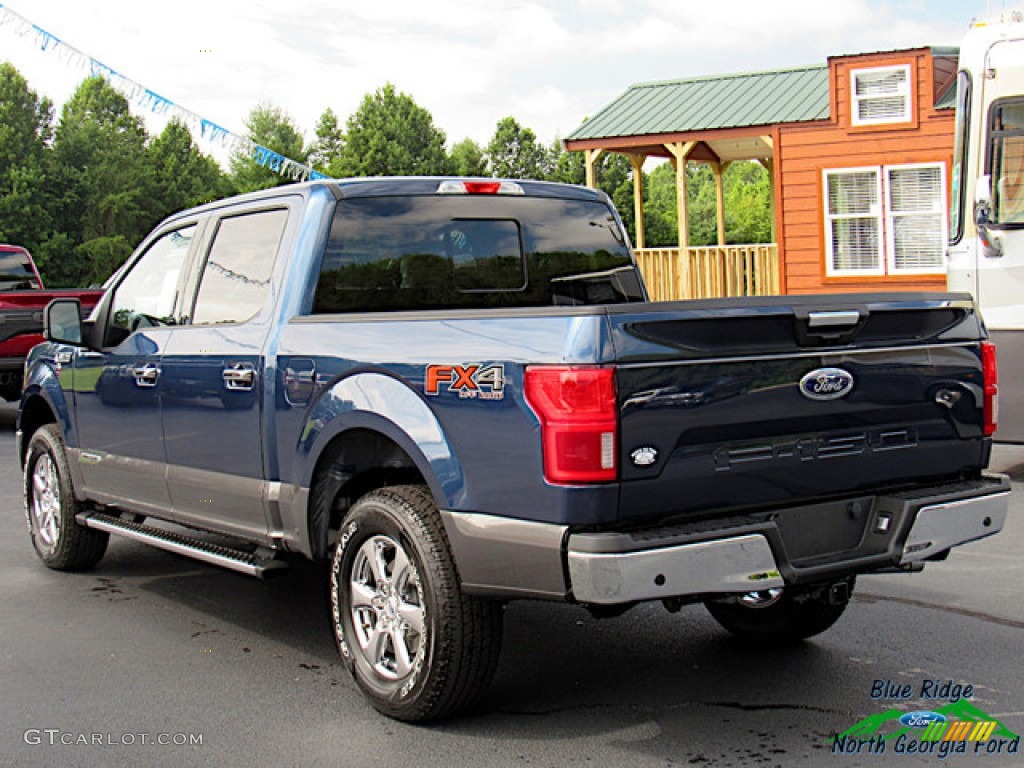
154 102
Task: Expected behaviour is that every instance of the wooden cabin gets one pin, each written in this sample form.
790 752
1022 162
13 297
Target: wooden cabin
859 151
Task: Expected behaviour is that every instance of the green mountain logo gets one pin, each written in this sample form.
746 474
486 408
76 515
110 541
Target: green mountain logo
873 725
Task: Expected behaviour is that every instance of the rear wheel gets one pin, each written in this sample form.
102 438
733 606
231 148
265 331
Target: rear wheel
50 507
781 616
417 647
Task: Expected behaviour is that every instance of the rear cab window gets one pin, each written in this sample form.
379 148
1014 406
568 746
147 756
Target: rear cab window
441 252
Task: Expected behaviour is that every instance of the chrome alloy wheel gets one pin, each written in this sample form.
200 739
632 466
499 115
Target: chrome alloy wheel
387 608
45 503
762 598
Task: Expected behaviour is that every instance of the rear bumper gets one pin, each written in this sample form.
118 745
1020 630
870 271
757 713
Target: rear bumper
753 553
811 544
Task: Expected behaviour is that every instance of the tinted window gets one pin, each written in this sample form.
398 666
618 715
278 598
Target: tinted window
412 253
16 272
147 295
1006 161
236 278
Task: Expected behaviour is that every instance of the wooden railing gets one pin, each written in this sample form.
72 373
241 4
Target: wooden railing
710 271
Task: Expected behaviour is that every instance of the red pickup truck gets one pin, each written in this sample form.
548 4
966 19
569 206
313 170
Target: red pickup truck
22 301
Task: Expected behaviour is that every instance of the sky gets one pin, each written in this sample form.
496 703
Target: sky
549 64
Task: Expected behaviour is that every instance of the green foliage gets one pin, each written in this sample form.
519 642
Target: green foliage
329 141
746 191
660 207
180 175
80 196
24 130
100 256
515 153
98 180
748 215
568 167
468 159
391 135
270 127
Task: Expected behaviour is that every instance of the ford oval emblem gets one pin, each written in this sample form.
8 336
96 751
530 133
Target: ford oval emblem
826 384
921 719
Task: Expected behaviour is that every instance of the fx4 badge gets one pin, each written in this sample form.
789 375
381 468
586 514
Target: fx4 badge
826 384
474 380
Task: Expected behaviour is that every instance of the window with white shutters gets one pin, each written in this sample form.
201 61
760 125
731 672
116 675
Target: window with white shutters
916 218
881 95
853 221
885 220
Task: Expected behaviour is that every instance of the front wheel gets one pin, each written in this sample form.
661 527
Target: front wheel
416 645
781 616
50 506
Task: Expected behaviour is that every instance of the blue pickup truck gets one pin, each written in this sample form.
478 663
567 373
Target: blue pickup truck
456 393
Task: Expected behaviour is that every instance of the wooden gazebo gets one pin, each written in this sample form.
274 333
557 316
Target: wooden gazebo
714 120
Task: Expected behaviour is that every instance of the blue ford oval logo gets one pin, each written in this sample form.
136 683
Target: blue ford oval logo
826 384
921 719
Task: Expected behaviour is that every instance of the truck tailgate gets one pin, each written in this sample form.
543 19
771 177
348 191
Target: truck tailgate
754 403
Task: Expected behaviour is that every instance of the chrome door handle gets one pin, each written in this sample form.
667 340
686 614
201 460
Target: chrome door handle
146 375
240 377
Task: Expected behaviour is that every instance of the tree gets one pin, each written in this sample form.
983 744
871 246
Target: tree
326 150
748 203
746 188
270 127
25 127
391 135
468 159
180 175
660 207
515 153
613 173
98 186
567 167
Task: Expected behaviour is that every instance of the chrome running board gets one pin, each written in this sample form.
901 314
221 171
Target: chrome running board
252 564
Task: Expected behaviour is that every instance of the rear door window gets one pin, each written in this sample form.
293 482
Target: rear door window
236 276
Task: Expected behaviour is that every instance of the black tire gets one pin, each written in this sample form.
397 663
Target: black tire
396 533
51 506
778 617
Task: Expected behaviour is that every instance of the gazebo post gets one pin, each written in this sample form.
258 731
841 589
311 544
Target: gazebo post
590 157
637 161
769 165
718 169
680 151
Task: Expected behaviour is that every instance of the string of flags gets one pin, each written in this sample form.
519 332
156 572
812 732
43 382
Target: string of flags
154 102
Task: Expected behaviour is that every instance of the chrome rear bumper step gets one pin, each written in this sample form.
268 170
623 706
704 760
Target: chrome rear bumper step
252 564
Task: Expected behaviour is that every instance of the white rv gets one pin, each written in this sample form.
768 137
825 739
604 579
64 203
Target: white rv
986 244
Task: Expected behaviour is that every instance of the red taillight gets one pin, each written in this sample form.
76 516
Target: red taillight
482 187
578 419
990 377
479 187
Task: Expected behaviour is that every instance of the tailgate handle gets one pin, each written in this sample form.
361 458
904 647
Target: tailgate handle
843 319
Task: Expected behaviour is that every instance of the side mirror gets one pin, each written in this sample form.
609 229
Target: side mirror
991 246
62 322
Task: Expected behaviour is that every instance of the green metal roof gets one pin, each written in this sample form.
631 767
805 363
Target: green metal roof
707 103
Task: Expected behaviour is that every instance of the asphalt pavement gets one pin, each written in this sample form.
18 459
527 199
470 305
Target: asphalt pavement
156 660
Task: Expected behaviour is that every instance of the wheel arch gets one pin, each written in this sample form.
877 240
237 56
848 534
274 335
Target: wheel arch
35 412
370 430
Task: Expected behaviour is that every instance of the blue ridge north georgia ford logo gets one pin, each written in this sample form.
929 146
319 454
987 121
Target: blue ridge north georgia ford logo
826 384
